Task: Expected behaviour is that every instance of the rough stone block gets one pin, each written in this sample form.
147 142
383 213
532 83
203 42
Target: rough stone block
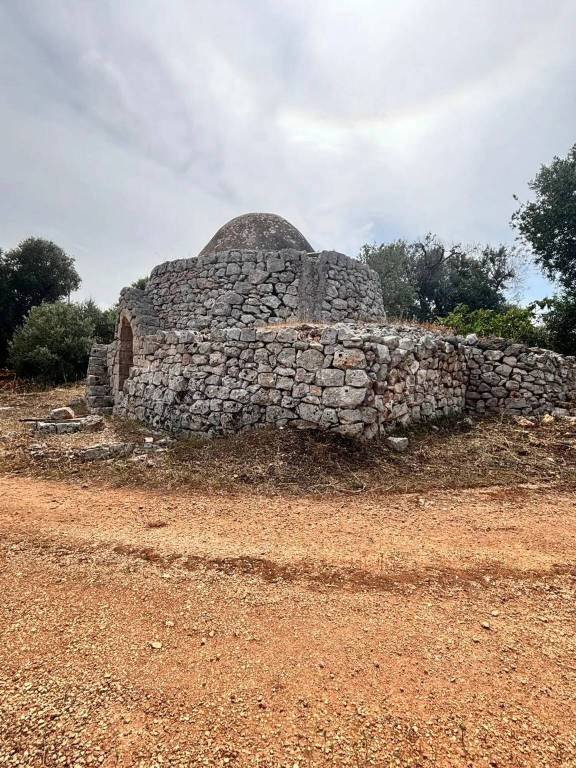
343 397
330 377
349 358
310 359
398 444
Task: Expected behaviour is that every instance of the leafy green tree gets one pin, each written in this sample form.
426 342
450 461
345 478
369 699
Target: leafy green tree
53 343
548 224
424 279
35 271
103 320
393 263
559 318
478 279
514 323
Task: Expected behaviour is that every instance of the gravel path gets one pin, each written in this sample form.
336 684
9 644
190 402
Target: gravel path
145 629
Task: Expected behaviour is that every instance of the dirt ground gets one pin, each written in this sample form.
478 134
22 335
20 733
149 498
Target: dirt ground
260 624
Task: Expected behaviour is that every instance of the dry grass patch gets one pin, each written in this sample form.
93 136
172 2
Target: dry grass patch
452 453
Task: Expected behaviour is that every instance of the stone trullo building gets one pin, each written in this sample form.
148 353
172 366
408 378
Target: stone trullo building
261 329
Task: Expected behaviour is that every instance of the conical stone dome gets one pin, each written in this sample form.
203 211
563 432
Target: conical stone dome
257 231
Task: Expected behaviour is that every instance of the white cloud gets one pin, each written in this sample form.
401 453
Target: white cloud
131 131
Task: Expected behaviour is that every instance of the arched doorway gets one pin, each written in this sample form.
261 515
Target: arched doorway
126 352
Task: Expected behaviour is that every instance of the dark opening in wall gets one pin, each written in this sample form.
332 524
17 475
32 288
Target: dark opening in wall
126 354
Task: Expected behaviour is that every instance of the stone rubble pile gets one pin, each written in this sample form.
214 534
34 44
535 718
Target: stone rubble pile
69 425
119 451
102 451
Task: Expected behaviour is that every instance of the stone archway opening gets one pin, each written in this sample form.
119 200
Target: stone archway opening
126 352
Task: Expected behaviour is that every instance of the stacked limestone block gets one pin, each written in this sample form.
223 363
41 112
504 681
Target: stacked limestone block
138 309
98 391
247 288
518 379
358 381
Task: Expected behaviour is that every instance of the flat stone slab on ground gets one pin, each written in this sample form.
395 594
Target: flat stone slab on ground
85 424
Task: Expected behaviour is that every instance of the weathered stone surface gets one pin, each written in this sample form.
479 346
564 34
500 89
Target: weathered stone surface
330 377
310 412
398 444
257 231
61 414
108 451
310 360
357 378
86 424
343 397
349 358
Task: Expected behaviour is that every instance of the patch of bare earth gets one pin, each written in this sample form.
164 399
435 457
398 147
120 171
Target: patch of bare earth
253 623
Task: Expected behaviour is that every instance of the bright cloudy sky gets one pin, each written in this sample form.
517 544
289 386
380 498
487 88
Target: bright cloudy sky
130 130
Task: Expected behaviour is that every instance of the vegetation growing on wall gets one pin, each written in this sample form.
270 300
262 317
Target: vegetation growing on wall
515 323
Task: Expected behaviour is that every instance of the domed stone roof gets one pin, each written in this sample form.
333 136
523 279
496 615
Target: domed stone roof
257 231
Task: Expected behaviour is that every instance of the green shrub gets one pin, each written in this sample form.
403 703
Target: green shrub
104 321
515 323
35 271
53 344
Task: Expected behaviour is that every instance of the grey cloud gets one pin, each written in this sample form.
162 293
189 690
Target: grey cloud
131 131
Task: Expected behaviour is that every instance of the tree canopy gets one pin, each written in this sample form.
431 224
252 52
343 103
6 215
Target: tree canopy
103 320
425 279
35 271
559 320
548 223
53 343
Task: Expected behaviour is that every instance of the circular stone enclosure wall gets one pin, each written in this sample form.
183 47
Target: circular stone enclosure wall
248 288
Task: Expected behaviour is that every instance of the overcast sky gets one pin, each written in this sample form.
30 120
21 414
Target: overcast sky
130 130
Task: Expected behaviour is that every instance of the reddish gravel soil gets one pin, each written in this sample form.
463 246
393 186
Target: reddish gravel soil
142 628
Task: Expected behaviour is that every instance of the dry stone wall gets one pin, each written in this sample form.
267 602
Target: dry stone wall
518 379
98 389
250 288
358 381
